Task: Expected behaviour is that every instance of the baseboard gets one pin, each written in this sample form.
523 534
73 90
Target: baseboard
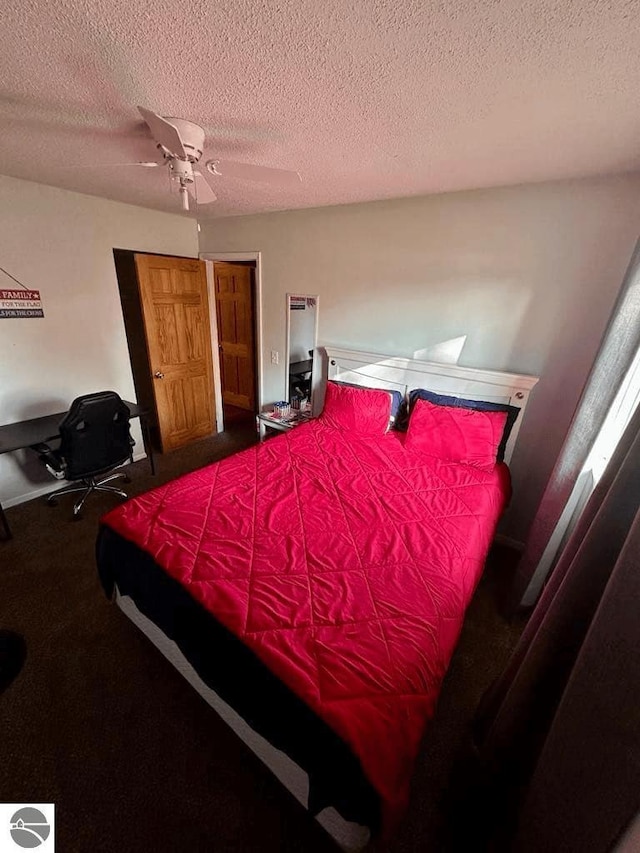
51 487
508 542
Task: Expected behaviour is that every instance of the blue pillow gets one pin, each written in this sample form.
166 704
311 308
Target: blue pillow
461 403
397 399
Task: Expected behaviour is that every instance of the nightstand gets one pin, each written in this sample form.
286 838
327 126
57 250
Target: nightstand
266 421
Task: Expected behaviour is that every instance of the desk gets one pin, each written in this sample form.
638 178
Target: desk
299 368
23 434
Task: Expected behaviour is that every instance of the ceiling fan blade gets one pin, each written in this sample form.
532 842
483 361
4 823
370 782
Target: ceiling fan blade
147 164
249 172
203 193
164 132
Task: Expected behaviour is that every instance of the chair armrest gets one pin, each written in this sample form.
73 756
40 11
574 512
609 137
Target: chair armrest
54 463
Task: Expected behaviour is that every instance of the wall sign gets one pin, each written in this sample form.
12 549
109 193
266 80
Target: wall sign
19 304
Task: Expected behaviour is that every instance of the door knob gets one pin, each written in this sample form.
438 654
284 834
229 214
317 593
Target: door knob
159 374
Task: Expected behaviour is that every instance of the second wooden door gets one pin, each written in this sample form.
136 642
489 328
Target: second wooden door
234 312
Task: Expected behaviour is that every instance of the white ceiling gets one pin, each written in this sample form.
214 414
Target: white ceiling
367 99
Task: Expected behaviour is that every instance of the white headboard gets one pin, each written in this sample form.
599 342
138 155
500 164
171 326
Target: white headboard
404 374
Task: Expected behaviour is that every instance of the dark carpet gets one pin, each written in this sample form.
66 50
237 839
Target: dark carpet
99 723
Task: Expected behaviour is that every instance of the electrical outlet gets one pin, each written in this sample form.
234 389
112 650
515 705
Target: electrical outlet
275 357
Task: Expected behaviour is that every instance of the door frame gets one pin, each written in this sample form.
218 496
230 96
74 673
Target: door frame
210 258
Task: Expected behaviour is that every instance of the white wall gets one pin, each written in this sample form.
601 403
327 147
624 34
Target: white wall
529 274
61 243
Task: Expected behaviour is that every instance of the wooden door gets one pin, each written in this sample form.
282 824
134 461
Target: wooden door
234 310
175 309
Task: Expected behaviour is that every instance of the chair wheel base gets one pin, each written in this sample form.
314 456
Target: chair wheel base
86 487
126 479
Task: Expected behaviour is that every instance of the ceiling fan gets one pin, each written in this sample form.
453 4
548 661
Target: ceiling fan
181 143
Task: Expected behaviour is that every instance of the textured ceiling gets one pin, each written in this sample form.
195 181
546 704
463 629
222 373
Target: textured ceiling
367 100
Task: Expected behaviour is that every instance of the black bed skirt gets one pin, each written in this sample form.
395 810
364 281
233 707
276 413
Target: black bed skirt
234 672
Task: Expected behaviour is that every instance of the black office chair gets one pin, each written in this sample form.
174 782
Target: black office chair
300 383
300 387
94 440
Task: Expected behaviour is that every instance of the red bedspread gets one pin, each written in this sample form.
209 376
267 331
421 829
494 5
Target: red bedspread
344 563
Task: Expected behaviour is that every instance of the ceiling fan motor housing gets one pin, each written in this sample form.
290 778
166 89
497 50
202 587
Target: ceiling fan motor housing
192 136
181 170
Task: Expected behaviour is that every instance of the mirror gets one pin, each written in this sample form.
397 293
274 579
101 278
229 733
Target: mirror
302 333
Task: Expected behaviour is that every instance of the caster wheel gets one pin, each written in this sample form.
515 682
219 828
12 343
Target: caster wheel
126 479
77 517
51 503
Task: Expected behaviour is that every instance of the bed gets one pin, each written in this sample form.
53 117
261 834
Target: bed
312 588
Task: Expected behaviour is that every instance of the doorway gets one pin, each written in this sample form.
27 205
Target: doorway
234 287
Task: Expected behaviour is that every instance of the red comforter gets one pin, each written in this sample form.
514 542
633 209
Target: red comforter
344 563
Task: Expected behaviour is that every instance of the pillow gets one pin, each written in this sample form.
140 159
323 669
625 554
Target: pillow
360 410
455 433
397 399
459 402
